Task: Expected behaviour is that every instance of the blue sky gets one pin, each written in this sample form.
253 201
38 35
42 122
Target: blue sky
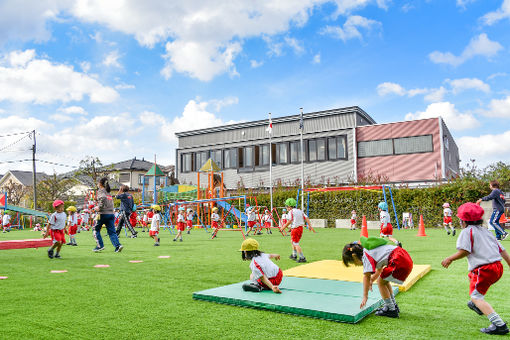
117 79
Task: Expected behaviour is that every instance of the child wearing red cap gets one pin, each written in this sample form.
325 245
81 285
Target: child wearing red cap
382 262
353 220
447 219
484 255
267 221
56 226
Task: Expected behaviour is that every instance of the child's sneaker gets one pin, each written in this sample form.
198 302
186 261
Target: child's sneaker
504 237
497 330
385 311
473 307
448 232
97 249
252 287
69 244
57 256
50 253
156 244
119 248
180 240
301 260
293 257
74 244
399 244
454 232
188 232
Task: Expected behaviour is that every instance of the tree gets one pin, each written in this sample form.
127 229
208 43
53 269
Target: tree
54 187
15 192
93 168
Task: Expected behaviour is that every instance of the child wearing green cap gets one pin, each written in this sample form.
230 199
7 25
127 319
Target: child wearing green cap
297 218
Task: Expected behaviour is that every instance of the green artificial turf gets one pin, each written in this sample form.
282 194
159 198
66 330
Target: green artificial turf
154 300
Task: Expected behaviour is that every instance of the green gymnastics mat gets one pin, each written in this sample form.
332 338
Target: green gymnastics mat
316 298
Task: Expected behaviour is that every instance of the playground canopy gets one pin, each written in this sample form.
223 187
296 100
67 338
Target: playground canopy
26 211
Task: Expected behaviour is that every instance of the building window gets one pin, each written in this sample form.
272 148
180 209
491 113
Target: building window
200 159
295 152
383 147
186 162
312 151
337 147
216 157
416 144
158 180
283 155
140 179
264 155
321 149
332 148
248 157
124 177
230 159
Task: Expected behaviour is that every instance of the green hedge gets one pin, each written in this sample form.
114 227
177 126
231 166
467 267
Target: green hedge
423 201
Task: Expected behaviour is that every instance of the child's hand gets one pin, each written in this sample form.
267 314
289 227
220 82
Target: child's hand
277 256
363 302
277 290
446 262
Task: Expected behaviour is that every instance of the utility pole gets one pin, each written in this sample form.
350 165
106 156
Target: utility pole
34 173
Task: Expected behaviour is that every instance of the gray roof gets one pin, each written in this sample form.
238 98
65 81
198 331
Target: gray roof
25 177
133 164
285 119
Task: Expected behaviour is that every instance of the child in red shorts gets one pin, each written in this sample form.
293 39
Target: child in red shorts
56 226
298 219
155 224
189 220
72 225
382 262
215 218
386 227
447 219
484 255
265 274
180 224
267 221
353 220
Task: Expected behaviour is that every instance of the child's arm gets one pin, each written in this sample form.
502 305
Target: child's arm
458 255
47 230
274 256
375 276
506 257
366 288
286 225
270 285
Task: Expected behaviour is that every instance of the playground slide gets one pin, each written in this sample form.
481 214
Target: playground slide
234 210
24 210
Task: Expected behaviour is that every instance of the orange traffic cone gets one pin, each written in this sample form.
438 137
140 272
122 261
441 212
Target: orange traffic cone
364 228
503 219
421 228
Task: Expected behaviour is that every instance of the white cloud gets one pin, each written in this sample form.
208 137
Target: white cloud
58 117
499 108
500 14
386 88
255 63
348 6
485 149
435 95
496 75
24 78
124 86
296 45
85 66
112 59
316 59
463 3
453 118
431 95
478 46
350 29
463 84
73 110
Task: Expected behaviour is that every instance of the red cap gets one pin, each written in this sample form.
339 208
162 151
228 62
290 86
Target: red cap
470 212
56 203
91 206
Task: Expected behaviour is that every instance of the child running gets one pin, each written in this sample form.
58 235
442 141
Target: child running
447 219
382 262
267 221
252 218
484 255
214 221
6 222
180 224
265 275
56 226
155 224
284 217
498 208
353 220
297 218
189 220
386 227
126 208
72 225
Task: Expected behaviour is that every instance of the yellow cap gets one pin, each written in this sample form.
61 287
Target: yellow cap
249 244
156 207
71 208
215 209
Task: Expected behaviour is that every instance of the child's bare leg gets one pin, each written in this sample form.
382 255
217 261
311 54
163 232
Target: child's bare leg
483 305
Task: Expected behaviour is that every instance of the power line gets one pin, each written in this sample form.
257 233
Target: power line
13 143
16 134
38 160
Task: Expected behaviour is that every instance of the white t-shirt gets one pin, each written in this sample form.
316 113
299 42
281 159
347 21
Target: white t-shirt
155 222
481 244
58 220
267 218
262 265
447 212
145 218
251 214
189 217
376 258
215 217
6 219
297 217
284 217
85 217
353 216
180 218
384 217
73 219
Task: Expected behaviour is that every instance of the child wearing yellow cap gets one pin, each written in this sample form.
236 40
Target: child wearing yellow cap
155 224
214 221
265 274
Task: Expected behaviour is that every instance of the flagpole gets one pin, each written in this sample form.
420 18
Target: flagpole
301 127
270 163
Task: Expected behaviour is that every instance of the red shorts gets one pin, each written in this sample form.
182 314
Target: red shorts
284 222
447 219
399 266
181 226
388 230
153 233
8 225
251 224
276 280
189 224
295 234
267 224
73 229
353 221
58 235
481 278
214 224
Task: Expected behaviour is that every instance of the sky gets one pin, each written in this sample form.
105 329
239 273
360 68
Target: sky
116 79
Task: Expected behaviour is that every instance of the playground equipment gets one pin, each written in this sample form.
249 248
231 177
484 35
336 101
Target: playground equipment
21 213
376 188
155 171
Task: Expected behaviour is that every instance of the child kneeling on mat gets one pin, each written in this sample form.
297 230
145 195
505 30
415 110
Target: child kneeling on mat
484 255
382 262
265 275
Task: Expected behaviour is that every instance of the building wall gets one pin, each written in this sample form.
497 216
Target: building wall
407 167
451 153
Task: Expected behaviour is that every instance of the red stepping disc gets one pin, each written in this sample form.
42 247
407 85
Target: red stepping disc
135 261
164 257
101 266
58 271
3 277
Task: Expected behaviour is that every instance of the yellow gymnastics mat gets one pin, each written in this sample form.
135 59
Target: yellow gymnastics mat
336 270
